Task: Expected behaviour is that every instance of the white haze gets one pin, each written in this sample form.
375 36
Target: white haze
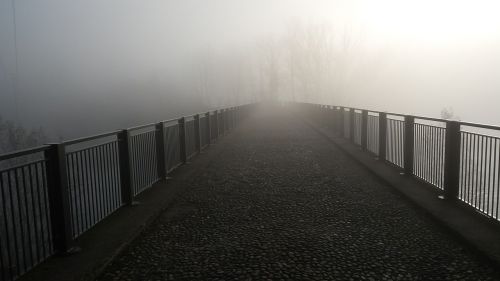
91 66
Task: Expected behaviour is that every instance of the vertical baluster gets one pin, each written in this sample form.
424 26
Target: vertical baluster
382 136
488 198
352 131
197 133
6 226
29 231
182 140
160 151
209 128
125 167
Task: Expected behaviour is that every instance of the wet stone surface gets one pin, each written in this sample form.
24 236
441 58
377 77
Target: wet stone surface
279 202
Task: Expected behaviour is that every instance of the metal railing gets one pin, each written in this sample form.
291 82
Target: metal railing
459 159
26 233
50 195
372 133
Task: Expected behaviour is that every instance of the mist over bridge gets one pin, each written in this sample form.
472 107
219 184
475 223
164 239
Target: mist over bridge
273 199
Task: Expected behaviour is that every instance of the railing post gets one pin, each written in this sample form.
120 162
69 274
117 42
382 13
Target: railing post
334 119
341 121
233 118
182 139
409 144
59 204
320 114
237 114
327 116
352 114
160 151
124 165
364 130
324 116
230 118
216 124
197 134
226 120
382 136
452 160
209 128
223 116
221 122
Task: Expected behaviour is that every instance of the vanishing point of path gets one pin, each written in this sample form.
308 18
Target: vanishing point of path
279 202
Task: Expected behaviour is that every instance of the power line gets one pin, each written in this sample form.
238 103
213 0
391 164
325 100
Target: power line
16 69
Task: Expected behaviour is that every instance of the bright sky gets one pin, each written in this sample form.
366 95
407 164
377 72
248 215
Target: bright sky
431 21
435 50
423 22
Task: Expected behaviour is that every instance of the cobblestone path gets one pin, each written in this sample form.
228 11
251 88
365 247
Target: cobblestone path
279 202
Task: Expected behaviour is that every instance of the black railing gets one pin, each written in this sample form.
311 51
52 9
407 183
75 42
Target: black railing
479 172
429 153
26 234
93 183
459 159
372 141
395 141
50 195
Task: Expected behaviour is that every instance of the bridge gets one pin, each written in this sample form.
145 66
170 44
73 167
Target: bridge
258 192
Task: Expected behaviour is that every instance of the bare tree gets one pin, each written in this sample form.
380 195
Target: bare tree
309 62
449 114
269 68
318 60
14 136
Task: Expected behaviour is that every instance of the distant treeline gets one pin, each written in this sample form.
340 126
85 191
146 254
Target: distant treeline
14 136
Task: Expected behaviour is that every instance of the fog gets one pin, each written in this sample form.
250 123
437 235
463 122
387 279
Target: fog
85 67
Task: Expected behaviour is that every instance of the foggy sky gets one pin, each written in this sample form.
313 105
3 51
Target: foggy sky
121 58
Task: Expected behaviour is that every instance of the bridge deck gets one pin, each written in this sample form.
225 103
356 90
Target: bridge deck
278 201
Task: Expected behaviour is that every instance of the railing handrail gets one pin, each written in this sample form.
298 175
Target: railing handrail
23 152
464 123
458 162
170 120
477 125
27 151
81 185
90 138
138 127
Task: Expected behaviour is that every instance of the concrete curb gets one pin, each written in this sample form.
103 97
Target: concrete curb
110 237
481 234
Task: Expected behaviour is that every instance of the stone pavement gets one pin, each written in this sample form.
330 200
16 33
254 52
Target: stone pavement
279 202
